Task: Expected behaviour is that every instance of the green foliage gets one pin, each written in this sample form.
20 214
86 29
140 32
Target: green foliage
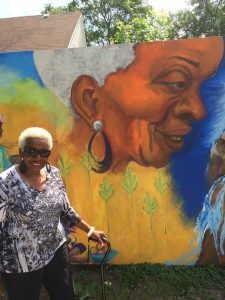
147 281
150 27
130 182
105 20
161 184
128 21
65 165
101 17
203 18
151 205
54 10
106 190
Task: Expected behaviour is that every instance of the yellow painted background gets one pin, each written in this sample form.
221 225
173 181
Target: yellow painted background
163 235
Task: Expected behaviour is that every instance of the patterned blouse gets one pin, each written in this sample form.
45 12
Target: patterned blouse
31 222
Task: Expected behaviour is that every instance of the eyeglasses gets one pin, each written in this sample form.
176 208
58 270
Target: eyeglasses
32 152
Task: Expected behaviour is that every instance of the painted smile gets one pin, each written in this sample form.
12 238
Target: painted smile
173 137
162 142
176 138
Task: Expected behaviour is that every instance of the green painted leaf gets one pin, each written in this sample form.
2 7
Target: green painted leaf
130 182
86 162
161 184
151 205
65 165
106 190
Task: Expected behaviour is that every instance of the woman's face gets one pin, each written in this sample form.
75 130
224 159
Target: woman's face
148 107
35 153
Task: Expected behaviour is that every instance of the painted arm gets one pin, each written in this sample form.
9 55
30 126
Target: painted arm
213 240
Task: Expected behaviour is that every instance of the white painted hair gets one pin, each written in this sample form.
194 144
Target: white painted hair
69 64
34 133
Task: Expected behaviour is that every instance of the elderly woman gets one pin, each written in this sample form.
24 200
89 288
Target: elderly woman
33 210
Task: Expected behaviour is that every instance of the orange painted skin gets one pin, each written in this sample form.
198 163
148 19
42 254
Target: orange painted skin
147 108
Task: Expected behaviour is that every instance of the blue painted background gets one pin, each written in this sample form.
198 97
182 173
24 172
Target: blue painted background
188 166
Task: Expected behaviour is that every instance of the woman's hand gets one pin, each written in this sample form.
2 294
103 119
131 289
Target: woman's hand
96 235
91 232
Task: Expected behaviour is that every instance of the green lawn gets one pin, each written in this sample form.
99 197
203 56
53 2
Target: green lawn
148 282
145 281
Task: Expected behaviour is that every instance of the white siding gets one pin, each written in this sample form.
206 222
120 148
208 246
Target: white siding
78 38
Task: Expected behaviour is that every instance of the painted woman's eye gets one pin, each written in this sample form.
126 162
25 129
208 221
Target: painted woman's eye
177 86
174 81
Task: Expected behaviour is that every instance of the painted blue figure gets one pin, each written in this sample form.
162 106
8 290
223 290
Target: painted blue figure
210 223
4 159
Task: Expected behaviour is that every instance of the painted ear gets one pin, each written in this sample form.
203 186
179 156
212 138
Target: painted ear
84 97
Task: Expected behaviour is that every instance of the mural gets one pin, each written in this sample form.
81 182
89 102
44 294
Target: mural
138 134
4 159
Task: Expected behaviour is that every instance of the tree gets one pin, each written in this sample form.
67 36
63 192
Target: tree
140 29
54 10
204 18
101 17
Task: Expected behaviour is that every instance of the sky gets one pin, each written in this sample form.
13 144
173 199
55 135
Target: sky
17 8
168 5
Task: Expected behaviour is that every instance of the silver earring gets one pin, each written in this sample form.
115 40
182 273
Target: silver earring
103 165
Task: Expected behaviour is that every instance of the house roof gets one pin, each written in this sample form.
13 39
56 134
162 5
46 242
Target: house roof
36 32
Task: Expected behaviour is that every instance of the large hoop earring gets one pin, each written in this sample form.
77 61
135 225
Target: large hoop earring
23 167
103 165
48 167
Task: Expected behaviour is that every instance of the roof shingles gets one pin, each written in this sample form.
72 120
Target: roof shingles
36 33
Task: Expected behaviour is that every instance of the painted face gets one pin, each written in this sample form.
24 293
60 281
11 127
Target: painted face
36 153
148 107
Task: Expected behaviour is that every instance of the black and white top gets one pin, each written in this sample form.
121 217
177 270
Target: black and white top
31 221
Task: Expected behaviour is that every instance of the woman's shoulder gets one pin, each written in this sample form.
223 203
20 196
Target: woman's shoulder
55 172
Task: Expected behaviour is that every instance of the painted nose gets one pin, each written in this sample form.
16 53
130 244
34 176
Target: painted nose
191 107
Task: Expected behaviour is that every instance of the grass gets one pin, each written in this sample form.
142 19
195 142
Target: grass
145 281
